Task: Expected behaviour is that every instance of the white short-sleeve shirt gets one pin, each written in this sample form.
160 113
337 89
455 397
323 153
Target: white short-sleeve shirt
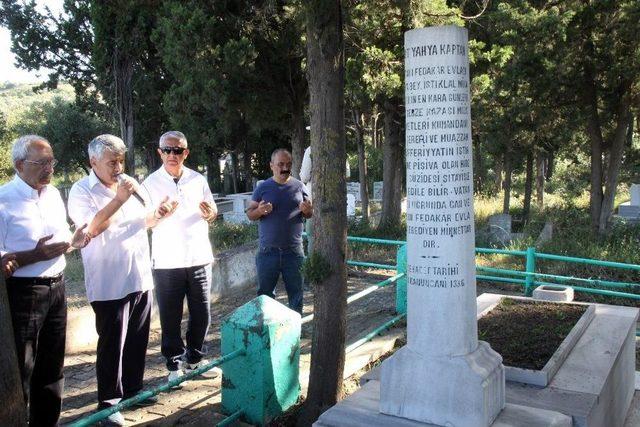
25 218
117 261
182 239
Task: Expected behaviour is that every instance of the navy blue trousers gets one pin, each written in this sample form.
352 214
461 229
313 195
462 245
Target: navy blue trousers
271 263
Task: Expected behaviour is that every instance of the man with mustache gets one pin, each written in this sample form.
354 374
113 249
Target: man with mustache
34 236
279 204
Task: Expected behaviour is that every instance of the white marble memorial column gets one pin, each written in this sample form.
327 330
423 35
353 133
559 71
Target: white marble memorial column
444 375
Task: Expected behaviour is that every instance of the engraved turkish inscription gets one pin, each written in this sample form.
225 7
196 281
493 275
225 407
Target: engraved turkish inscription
438 161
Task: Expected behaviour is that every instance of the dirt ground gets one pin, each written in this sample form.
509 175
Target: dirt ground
527 334
199 401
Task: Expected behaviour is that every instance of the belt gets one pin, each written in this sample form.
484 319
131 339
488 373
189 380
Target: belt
41 281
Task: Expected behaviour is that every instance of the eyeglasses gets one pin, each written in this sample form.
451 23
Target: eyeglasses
43 163
175 150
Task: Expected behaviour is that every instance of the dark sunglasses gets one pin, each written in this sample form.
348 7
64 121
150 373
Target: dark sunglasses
175 150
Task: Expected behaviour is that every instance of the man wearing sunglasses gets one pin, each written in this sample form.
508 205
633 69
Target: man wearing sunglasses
34 236
182 255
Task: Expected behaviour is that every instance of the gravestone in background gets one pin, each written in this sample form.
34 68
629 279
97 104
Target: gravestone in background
377 190
354 188
635 194
444 375
351 205
631 210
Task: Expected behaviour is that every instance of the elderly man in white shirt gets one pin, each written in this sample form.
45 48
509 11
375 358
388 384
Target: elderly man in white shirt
34 236
182 254
117 269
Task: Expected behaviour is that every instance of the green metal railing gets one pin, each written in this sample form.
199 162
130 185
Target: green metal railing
368 337
529 276
363 293
230 419
143 395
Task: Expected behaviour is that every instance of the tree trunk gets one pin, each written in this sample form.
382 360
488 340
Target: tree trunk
613 171
506 184
13 410
213 173
358 121
497 184
551 166
298 143
246 167
152 159
528 188
234 172
392 172
325 56
374 126
123 74
540 161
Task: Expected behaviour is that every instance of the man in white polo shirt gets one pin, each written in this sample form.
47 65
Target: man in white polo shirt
182 254
34 236
117 269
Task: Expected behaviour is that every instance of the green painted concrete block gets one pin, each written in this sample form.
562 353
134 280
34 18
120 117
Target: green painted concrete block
264 383
401 284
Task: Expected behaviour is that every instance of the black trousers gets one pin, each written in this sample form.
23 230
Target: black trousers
123 335
172 286
39 315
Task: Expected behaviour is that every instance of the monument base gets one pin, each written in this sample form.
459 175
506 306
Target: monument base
461 391
361 409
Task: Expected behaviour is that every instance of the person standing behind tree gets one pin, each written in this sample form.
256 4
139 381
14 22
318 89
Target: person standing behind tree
279 204
182 255
34 236
305 177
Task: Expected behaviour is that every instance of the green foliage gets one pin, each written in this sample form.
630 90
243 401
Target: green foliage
376 29
364 229
15 99
315 268
67 126
6 166
238 74
225 236
554 79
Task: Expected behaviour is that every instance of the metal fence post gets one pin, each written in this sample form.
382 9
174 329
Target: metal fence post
401 284
530 268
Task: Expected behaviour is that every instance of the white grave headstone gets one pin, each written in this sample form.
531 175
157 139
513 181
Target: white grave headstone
444 375
238 215
351 205
635 194
354 188
377 190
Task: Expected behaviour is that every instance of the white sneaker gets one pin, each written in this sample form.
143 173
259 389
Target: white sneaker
173 375
212 373
115 419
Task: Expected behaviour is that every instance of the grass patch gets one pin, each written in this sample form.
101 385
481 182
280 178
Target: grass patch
225 236
371 252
